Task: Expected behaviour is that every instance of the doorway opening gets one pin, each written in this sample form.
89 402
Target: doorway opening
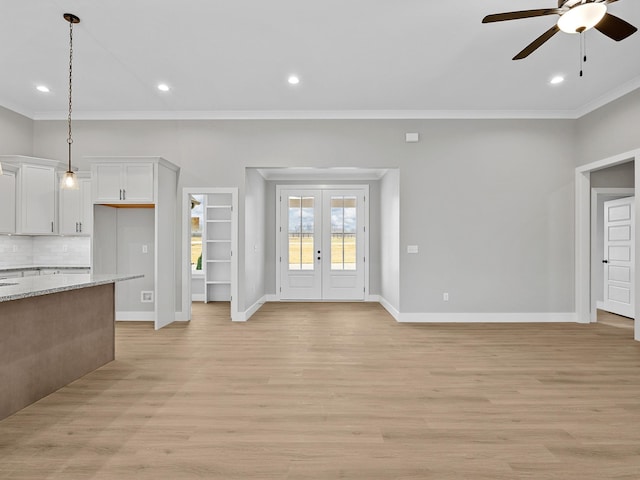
210 245
586 254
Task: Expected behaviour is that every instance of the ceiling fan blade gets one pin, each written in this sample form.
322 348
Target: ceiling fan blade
615 28
537 43
501 17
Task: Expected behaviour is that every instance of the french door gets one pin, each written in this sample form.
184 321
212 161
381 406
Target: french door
322 244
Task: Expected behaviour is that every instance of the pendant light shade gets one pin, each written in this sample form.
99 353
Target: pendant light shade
70 180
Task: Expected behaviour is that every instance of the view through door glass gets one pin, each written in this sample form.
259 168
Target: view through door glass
344 227
301 233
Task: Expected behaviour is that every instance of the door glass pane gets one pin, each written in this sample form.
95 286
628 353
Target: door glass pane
343 233
301 229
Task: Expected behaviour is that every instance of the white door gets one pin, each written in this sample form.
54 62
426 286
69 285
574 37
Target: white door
322 244
301 244
619 256
343 244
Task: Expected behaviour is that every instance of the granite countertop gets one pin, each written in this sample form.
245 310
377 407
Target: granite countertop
14 268
17 288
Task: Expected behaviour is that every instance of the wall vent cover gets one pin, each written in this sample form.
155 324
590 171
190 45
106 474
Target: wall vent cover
146 296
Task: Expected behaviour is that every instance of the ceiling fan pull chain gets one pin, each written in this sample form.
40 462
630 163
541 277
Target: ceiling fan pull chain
582 56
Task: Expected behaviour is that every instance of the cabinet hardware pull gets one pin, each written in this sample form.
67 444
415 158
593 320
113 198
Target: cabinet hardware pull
76 227
51 227
80 223
120 194
124 194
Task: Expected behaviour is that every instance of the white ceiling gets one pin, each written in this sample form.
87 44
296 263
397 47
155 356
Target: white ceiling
355 58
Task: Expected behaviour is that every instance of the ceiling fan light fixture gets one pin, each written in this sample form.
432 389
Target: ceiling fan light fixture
582 17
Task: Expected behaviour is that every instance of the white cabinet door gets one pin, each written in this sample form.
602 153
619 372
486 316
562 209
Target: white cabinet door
8 203
124 183
70 211
76 209
86 207
108 182
138 182
37 196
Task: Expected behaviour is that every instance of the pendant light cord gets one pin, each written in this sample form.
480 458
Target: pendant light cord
70 139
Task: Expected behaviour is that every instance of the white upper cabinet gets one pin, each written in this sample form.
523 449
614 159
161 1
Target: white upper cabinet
36 190
76 209
37 193
7 201
123 182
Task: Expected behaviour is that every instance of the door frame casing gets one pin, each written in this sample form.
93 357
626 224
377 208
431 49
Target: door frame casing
364 187
583 304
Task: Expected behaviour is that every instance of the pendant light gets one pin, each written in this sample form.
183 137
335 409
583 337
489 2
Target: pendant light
70 180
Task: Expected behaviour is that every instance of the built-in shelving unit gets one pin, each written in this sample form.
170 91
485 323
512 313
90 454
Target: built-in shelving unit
217 251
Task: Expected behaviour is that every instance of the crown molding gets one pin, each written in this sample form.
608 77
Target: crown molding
314 115
609 97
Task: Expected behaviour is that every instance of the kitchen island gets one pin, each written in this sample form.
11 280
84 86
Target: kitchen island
53 330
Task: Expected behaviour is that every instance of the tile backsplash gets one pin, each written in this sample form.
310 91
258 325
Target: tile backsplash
56 251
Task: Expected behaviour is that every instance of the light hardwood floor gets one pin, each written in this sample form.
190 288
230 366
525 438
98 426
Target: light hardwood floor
327 391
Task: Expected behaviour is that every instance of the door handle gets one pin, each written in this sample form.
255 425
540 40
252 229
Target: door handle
605 261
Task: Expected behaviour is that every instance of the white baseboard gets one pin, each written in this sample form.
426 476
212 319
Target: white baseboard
246 315
135 316
197 297
600 305
516 317
372 298
271 297
182 317
393 311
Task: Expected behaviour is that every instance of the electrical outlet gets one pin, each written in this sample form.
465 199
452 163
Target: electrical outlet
146 296
445 296
145 248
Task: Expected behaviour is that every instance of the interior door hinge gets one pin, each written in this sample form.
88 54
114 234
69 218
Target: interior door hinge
364 259
280 259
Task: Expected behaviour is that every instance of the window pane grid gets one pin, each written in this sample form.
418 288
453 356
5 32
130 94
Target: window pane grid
301 233
343 233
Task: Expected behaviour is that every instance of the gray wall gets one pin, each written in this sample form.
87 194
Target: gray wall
609 130
390 238
16 133
256 256
621 176
489 202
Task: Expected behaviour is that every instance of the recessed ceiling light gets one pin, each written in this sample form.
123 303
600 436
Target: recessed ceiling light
556 80
163 87
43 88
293 80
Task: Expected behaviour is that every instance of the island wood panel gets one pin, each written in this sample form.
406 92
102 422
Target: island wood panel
48 341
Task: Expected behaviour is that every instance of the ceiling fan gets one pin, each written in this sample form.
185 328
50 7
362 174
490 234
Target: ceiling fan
576 16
